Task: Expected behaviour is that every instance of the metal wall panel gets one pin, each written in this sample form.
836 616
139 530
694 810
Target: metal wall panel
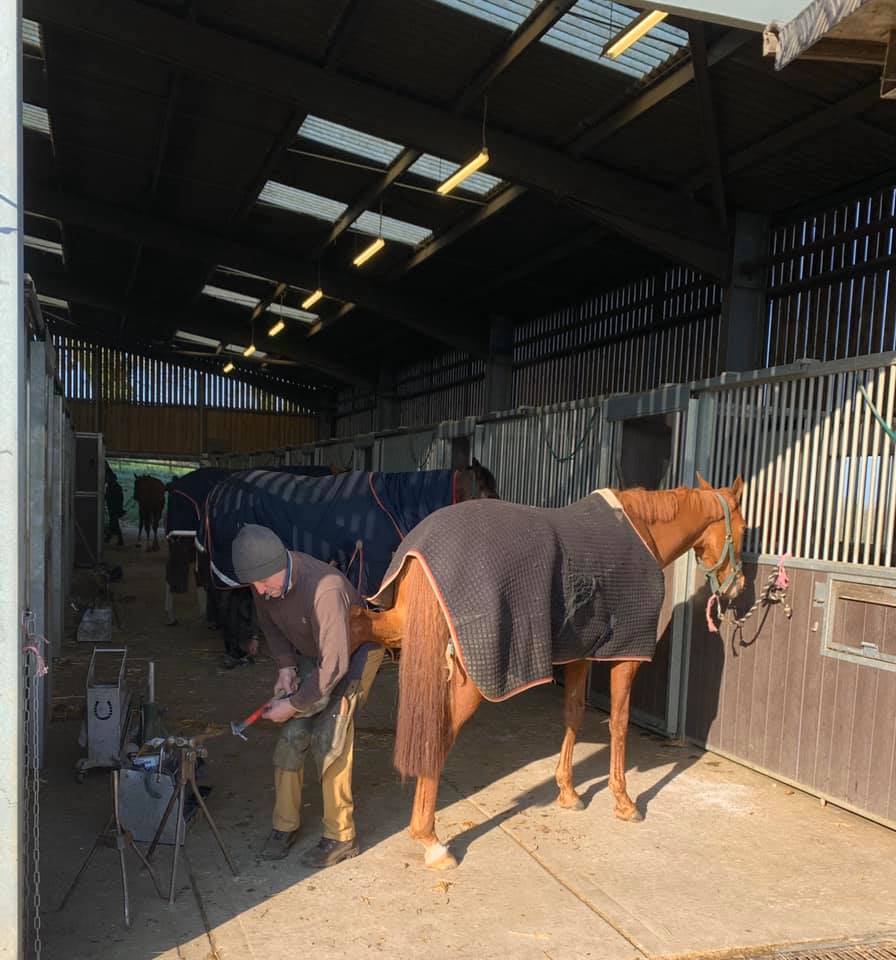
543 456
830 282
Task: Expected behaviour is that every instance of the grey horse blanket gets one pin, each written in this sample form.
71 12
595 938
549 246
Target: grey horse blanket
524 588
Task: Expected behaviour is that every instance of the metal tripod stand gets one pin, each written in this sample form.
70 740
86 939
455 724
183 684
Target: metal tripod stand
189 750
114 835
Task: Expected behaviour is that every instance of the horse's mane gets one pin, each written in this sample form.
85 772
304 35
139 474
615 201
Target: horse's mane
653 506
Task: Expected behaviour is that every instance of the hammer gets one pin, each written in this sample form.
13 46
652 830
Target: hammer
237 728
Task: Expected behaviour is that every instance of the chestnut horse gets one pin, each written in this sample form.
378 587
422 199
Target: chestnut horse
433 704
149 494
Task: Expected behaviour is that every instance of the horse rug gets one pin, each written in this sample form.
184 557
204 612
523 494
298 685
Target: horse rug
187 495
524 588
355 520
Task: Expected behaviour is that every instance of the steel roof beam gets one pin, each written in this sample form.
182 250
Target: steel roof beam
654 216
191 244
539 21
161 324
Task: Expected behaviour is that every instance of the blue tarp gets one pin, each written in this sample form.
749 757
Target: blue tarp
354 519
187 495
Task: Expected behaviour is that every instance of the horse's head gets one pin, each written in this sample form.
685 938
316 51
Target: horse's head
476 483
719 548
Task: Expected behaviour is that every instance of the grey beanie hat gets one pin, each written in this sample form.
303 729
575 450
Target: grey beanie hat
257 553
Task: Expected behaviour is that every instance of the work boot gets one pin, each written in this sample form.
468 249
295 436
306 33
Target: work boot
278 843
329 852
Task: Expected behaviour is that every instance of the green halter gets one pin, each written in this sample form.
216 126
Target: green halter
727 553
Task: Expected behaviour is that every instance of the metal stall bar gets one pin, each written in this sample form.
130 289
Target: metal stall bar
12 463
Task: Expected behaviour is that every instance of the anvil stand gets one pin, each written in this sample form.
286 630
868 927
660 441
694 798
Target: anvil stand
189 751
115 836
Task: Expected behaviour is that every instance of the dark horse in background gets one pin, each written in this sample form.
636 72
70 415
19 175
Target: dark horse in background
149 494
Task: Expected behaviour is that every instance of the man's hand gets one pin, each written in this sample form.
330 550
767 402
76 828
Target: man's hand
280 711
287 682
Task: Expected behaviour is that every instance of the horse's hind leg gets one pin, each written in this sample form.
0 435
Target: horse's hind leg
621 676
575 675
465 698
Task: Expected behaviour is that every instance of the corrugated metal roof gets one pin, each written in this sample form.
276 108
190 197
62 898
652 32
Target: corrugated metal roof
323 208
585 30
383 152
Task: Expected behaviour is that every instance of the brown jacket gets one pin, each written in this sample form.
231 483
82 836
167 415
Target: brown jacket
312 619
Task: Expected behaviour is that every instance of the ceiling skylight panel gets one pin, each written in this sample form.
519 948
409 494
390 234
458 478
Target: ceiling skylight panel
300 201
31 33
591 23
35 118
437 169
349 141
247 300
397 230
323 208
53 302
196 338
584 31
45 246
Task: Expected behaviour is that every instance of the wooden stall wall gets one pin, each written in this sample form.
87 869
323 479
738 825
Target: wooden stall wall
776 698
168 431
150 407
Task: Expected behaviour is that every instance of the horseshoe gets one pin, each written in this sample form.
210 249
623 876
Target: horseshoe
96 710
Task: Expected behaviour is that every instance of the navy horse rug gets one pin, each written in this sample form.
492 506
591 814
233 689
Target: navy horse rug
524 588
355 520
187 495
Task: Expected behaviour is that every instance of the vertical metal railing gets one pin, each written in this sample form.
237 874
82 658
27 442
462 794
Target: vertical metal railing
818 466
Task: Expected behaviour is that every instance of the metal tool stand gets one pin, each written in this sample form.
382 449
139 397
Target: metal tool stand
108 713
113 835
190 751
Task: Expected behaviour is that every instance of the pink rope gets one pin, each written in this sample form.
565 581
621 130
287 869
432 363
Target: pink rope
710 622
782 581
359 555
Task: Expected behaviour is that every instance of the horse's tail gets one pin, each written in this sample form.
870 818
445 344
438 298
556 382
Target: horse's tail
423 731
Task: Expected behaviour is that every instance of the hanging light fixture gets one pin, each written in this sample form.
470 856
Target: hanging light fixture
633 32
280 324
374 248
471 166
228 366
312 299
249 350
369 252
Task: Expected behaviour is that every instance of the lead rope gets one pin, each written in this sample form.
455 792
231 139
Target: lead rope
775 591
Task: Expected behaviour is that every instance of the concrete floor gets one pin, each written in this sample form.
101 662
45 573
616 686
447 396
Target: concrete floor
726 862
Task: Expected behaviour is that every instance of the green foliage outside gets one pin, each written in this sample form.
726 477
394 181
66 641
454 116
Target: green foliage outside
164 470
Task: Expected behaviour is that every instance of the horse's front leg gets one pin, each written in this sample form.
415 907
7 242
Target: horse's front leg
575 674
465 698
621 676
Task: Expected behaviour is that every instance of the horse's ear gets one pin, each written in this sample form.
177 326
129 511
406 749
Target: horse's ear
737 488
476 464
701 483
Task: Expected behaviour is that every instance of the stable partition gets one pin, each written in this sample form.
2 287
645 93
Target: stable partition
809 699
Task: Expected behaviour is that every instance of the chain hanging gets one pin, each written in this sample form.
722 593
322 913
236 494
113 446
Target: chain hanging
34 668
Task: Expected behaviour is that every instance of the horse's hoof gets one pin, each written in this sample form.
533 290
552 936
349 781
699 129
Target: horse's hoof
438 857
632 815
577 803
